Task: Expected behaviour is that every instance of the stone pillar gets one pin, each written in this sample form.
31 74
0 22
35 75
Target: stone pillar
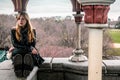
95 18
20 5
78 52
95 53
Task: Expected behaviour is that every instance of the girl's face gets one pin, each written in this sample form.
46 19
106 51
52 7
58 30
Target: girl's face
21 21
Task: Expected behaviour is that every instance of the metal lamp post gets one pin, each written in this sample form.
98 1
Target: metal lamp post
96 19
20 5
78 52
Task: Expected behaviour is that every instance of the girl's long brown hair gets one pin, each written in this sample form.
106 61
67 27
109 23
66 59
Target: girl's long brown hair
28 25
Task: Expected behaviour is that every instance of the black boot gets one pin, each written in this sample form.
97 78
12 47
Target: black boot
17 62
28 65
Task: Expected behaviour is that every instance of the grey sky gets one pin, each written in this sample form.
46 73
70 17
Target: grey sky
42 8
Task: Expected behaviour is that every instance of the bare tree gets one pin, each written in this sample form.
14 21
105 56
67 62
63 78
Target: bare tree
56 37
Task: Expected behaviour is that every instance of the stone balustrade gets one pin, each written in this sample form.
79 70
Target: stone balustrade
62 69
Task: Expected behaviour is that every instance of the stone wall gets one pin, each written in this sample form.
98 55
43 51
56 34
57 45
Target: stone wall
62 69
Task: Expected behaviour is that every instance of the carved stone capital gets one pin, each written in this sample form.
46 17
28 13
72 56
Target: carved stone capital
20 5
96 13
76 6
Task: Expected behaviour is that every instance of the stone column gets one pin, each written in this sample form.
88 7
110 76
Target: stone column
20 5
96 19
78 52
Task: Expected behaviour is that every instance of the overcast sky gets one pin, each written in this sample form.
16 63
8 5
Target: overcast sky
47 8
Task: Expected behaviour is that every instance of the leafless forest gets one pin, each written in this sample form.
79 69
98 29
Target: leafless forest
55 37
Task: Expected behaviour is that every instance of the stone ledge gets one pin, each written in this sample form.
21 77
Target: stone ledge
112 66
63 64
62 69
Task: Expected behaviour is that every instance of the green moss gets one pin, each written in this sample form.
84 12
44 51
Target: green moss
115 35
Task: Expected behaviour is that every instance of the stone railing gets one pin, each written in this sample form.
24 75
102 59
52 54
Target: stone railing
62 69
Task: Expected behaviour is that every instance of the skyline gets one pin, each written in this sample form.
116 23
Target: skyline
49 8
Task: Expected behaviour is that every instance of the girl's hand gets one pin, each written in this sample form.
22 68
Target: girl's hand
11 49
34 51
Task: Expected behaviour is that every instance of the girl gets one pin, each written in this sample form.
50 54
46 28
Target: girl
23 38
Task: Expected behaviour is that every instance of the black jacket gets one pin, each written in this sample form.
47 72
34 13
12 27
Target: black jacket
23 43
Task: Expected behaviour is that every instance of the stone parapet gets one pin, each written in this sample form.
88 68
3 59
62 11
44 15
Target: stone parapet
62 69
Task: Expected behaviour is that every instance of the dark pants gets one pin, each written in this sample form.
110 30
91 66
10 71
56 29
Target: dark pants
19 51
23 53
